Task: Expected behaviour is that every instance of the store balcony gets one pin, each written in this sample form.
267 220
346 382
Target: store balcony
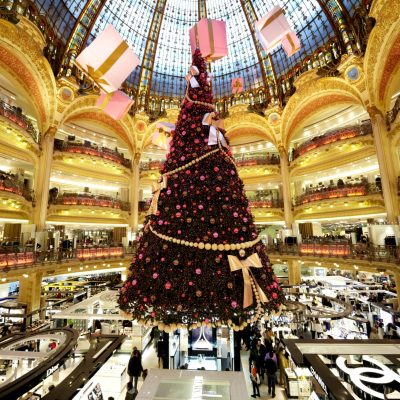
15 256
15 199
351 200
340 249
84 207
334 192
350 144
15 115
100 162
257 160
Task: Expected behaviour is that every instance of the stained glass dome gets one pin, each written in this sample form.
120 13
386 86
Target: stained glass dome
157 30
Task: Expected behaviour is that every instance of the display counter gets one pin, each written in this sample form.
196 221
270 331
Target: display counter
162 384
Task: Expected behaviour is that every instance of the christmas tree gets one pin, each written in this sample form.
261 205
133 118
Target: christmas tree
200 260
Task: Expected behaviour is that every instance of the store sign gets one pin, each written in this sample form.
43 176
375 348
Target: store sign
364 378
51 370
319 380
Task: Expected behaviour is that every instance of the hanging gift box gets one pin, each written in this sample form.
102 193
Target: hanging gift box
272 28
108 60
209 35
161 137
115 104
237 85
291 43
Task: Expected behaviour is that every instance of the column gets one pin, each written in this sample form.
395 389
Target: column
42 179
30 290
386 164
287 198
134 194
294 272
396 304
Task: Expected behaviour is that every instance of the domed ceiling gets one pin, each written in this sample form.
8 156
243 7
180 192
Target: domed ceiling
315 22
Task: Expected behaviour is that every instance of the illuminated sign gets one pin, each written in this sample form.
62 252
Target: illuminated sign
51 370
367 378
319 380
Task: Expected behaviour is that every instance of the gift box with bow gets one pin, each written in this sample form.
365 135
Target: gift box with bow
108 60
291 43
115 104
209 35
237 85
272 28
161 136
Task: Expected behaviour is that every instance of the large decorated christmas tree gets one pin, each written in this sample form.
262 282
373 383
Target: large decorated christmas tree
200 260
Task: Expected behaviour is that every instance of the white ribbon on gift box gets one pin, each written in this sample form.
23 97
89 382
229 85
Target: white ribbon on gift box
193 71
214 133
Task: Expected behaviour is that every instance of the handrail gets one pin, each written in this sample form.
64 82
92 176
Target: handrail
332 136
15 115
92 150
273 203
358 251
335 192
86 199
257 160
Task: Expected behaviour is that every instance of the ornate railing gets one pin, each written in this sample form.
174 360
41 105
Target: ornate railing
85 199
269 159
92 150
13 186
339 250
15 115
273 203
331 137
338 192
20 257
151 165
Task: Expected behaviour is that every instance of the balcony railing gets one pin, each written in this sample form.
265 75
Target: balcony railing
11 185
258 160
335 192
15 115
151 165
332 136
92 150
340 250
85 199
274 203
19 257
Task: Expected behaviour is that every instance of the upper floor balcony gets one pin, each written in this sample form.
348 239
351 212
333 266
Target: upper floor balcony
339 191
16 200
273 203
15 115
97 161
350 144
90 200
262 159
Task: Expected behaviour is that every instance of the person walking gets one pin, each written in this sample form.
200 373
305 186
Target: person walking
135 368
270 368
255 380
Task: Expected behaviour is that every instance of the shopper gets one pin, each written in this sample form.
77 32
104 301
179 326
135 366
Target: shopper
160 352
130 392
312 328
283 364
381 332
270 368
135 367
318 329
255 380
374 334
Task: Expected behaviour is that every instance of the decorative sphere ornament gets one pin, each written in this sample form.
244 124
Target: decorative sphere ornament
242 253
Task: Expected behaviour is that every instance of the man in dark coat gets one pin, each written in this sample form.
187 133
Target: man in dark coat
135 367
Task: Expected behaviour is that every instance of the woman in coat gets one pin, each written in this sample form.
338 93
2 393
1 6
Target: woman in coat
135 367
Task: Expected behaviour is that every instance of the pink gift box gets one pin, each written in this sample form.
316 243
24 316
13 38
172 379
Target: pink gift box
272 28
108 60
237 85
209 35
161 140
116 104
291 43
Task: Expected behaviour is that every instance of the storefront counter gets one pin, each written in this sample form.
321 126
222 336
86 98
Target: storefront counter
163 384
